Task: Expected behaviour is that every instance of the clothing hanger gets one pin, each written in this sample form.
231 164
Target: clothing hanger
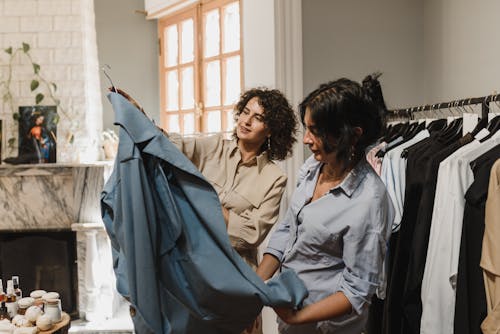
452 130
493 125
112 87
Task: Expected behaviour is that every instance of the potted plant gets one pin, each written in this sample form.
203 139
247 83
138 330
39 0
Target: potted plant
37 123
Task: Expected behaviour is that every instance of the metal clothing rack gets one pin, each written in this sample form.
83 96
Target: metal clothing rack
484 101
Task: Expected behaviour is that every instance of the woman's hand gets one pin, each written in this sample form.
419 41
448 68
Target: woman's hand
127 96
288 315
257 323
225 214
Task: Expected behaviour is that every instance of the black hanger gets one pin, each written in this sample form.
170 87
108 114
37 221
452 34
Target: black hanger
483 122
397 130
437 125
452 132
492 127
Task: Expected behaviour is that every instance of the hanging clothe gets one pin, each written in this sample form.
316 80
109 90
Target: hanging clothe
470 306
490 257
172 255
439 282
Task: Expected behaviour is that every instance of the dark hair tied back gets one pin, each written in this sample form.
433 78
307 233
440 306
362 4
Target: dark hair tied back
336 109
373 89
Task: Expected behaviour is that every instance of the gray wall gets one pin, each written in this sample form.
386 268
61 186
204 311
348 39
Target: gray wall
129 44
461 49
352 38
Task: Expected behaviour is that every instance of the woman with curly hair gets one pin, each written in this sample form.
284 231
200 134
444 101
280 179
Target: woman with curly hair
241 169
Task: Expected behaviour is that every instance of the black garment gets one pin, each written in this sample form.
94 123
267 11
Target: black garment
419 240
418 155
470 306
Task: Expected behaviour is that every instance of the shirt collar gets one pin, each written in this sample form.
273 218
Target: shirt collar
353 179
261 160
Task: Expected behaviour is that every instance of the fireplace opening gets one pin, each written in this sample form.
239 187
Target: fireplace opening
42 260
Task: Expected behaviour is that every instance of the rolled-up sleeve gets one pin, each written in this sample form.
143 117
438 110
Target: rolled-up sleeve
280 237
364 253
198 149
249 228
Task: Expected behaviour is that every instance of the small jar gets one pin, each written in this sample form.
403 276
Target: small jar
37 295
53 309
23 304
50 295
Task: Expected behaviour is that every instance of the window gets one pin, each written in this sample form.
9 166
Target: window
200 64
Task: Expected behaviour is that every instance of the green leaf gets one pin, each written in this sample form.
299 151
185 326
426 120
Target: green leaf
11 142
54 86
34 84
36 68
26 47
9 50
39 97
16 116
71 138
56 119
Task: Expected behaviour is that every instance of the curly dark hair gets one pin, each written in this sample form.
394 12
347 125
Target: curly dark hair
279 117
336 108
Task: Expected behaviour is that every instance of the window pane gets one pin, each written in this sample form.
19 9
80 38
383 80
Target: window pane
172 91
212 84
171 46
187 51
212 33
230 120
213 121
173 123
187 88
231 27
189 124
233 83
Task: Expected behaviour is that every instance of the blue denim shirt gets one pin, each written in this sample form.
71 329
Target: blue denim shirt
336 243
172 255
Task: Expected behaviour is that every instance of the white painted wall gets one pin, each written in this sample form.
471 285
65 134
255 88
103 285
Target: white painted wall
129 44
353 38
461 49
258 43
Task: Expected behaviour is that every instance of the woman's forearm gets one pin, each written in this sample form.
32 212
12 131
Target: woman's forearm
332 306
267 267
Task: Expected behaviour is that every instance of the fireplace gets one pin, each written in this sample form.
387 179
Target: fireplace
42 260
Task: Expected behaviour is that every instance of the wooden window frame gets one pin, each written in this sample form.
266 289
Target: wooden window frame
197 13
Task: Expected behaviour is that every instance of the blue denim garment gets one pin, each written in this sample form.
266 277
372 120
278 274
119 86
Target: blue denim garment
172 255
336 243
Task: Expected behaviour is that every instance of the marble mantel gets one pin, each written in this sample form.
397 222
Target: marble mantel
66 197
50 196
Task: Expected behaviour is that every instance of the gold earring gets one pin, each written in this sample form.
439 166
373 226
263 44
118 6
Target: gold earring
353 154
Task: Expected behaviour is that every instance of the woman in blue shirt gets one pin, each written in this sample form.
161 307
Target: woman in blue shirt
335 232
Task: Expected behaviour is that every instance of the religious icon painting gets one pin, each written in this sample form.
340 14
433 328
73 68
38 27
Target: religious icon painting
38 133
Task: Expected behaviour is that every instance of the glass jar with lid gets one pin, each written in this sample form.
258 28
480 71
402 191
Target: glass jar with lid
23 304
53 309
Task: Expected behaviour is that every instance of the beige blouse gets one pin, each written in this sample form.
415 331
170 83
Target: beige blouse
490 257
251 191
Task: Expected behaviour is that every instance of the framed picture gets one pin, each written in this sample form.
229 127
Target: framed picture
38 133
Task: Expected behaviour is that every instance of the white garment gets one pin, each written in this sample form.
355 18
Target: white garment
394 175
439 282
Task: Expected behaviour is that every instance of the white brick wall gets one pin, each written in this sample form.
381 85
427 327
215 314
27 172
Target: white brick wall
61 34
